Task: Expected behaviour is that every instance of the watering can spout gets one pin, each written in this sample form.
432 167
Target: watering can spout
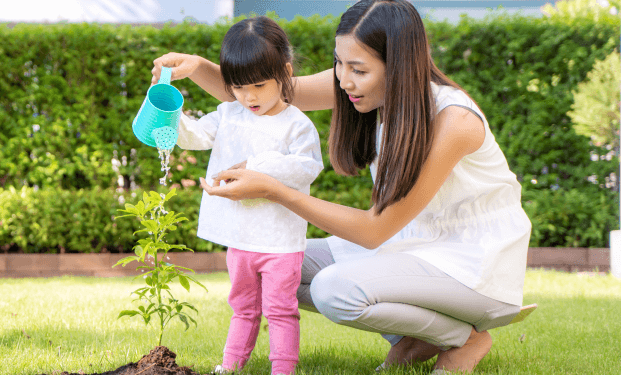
158 118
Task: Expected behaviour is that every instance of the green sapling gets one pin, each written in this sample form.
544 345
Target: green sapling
156 299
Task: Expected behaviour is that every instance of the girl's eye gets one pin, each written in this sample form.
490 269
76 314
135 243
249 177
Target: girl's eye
356 71
236 87
259 85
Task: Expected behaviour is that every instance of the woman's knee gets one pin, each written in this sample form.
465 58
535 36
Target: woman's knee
333 295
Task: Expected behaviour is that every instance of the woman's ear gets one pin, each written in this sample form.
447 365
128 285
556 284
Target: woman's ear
289 69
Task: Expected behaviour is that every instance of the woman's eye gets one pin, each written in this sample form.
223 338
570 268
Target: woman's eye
259 85
356 71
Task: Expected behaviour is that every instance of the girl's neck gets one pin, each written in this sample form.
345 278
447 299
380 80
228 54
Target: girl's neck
278 108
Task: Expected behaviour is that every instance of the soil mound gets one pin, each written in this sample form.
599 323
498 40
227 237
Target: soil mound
159 361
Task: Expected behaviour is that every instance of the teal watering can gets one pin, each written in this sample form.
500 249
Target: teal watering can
158 117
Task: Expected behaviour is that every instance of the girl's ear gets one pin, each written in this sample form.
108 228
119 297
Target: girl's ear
289 69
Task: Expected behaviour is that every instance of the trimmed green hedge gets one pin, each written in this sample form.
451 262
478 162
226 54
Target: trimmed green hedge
50 220
70 92
44 221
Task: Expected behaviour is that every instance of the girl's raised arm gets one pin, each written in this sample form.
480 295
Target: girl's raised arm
314 92
201 71
459 134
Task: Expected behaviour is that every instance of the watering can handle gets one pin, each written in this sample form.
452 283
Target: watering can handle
165 76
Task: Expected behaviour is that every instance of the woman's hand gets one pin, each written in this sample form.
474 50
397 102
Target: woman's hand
241 165
183 65
242 184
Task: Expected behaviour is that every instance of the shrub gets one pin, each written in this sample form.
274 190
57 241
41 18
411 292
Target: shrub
595 112
571 218
72 90
56 220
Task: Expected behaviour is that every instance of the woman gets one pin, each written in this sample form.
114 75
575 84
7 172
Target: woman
440 257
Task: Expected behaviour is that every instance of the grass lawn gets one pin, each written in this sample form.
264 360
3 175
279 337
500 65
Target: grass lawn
69 324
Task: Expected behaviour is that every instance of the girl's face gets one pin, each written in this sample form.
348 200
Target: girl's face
262 98
361 73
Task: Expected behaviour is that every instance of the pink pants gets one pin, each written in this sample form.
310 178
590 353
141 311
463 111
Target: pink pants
264 282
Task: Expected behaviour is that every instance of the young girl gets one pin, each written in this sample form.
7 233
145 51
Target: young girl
440 258
265 240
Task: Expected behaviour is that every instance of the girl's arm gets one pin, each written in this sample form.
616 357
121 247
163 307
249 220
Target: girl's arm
314 92
459 134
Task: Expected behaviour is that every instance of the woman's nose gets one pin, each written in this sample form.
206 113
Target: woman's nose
346 83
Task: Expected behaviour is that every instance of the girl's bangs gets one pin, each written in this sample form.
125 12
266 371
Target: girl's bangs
248 65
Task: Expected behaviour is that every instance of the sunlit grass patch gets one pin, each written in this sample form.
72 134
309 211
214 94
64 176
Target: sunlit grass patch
69 324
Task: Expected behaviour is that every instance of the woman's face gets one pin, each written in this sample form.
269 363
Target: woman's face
361 73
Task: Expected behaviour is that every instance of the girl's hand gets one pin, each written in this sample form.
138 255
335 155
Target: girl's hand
242 184
183 65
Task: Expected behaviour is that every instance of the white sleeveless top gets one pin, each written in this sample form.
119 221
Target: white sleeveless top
474 229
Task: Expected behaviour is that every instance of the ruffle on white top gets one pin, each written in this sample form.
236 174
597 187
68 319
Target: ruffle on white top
474 229
284 146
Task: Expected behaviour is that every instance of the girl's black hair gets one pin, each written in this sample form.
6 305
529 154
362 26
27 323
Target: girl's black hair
255 50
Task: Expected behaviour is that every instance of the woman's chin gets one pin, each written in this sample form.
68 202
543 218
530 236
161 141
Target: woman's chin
362 109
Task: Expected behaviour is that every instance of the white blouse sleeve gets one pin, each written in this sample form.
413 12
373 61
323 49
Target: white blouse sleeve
198 134
297 169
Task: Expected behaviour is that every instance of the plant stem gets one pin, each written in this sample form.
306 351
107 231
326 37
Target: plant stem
158 289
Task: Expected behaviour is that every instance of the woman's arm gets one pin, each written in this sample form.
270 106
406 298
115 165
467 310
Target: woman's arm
459 134
314 92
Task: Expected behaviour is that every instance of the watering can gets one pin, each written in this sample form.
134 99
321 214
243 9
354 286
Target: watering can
158 117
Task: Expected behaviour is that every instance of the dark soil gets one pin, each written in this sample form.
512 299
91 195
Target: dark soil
159 361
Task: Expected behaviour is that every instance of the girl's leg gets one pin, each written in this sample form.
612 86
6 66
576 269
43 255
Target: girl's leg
245 299
281 277
404 295
316 257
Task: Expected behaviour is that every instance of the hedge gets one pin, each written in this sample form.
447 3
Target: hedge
58 220
70 92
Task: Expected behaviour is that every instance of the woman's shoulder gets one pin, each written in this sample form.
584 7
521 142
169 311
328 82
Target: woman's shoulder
459 127
447 96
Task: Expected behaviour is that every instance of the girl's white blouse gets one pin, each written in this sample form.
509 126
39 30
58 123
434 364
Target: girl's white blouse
284 146
474 229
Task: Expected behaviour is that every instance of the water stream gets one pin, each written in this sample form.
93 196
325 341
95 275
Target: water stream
164 159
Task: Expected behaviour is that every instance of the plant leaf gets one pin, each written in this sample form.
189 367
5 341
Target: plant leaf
189 306
184 319
139 251
184 282
128 313
171 194
126 260
140 208
150 224
197 282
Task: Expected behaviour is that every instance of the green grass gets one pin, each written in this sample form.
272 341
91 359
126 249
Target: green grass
69 324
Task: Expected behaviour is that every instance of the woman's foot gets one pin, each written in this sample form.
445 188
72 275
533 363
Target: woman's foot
410 350
465 358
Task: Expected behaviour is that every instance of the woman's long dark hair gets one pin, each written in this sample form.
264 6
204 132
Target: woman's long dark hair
255 50
394 30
